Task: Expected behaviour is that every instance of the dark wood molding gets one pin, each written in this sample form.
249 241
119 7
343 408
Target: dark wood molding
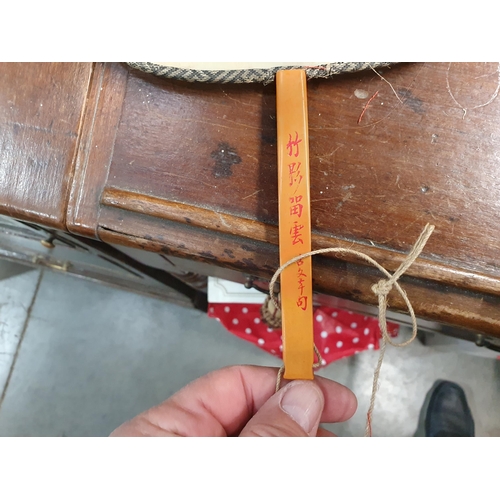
247 228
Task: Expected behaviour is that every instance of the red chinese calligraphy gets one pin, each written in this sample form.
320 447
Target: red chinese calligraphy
295 233
301 275
302 302
293 144
294 174
301 285
296 207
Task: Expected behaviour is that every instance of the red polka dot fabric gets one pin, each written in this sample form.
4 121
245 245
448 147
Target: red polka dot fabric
337 333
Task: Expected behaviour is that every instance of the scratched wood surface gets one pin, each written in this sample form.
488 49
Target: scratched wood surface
413 158
40 116
190 170
197 163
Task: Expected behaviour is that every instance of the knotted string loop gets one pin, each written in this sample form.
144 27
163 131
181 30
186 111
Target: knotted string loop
381 290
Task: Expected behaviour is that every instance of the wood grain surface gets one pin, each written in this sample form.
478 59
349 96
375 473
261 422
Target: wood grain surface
95 151
205 156
405 164
41 106
190 170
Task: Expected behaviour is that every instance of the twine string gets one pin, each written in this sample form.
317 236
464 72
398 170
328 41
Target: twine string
282 369
381 290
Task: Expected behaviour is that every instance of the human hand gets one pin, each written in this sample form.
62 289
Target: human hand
240 401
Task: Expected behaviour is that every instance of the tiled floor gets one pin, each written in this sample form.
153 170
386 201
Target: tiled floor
78 359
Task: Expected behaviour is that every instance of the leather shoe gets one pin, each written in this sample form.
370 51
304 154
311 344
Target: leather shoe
448 414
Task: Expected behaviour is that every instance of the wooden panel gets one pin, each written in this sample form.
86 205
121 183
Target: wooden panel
412 159
95 150
40 116
190 169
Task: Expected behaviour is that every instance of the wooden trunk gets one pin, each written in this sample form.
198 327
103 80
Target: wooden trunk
189 170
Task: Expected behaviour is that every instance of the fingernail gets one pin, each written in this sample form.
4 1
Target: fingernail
303 402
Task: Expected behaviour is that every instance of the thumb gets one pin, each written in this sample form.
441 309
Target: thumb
295 410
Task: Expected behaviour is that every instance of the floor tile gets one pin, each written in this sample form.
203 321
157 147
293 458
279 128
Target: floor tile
406 376
16 294
93 357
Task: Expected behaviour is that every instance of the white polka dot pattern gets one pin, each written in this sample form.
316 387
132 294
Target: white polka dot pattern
337 333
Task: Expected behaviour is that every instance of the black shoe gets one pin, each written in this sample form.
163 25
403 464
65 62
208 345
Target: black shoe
448 414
